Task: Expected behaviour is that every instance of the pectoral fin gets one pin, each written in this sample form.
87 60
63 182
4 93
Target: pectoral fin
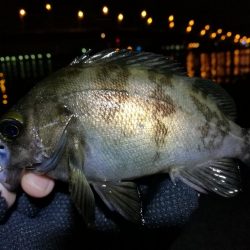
79 187
121 197
219 176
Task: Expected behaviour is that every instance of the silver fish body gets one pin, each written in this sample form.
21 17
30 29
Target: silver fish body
111 118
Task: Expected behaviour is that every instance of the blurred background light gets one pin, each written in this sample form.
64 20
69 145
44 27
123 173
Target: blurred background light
103 35
149 20
48 7
171 18
207 27
191 22
143 13
80 14
171 25
22 12
120 17
219 31
188 29
203 32
105 10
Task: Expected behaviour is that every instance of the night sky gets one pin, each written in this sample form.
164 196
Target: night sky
230 15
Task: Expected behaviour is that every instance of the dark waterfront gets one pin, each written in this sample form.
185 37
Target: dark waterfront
210 40
231 69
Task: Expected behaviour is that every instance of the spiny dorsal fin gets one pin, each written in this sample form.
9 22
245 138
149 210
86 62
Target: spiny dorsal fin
121 197
219 176
224 101
145 60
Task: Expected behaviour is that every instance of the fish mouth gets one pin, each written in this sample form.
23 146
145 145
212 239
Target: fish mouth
9 179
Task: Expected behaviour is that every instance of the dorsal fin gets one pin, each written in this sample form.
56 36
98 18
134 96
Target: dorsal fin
145 60
224 101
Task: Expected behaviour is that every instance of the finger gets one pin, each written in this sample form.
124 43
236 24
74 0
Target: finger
37 185
7 195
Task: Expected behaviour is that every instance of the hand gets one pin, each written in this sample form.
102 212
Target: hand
34 185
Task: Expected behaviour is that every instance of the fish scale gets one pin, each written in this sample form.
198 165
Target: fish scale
118 116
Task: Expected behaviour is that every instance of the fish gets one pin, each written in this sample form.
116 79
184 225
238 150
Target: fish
111 118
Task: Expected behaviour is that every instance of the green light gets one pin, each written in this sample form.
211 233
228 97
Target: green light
2 59
13 58
26 57
33 57
48 55
20 58
39 56
84 50
7 58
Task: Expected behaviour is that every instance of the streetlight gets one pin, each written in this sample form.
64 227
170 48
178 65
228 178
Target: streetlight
80 14
149 20
143 13
120 17
48 7
105 10
22 13
171 18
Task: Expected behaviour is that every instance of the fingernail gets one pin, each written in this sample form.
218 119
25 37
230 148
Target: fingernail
37 185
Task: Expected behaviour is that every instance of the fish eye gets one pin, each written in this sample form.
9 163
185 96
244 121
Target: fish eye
10 128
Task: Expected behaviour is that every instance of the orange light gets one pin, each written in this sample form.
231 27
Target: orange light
213 35
171 18
105 10
193 45
203 32
223 37
143 13
229 34
243 40
219 31
22 12
171 25
188 29
191 22
207 27
80 14
149 20
48 7
237 36
120 17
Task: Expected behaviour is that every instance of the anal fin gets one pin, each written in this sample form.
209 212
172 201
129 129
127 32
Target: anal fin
121 197
220 176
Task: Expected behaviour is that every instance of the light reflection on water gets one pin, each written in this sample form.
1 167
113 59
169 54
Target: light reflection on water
221 67
18 73
26 67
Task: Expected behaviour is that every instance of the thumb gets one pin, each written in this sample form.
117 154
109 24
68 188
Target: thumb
37 185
